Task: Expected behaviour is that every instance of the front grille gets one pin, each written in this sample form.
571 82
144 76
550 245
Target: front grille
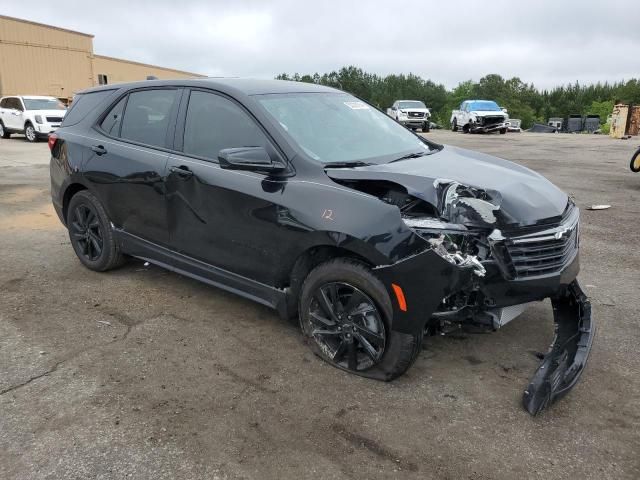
54 119
545 252
416 114
492 120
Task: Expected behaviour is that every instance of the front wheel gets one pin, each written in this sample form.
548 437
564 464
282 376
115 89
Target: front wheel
425 127
345 312
503 131
30 133
635 162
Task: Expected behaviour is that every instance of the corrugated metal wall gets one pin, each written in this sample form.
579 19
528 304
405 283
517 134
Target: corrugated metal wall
41 60
37 59
118 70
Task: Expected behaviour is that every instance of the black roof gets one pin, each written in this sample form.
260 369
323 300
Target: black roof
242 86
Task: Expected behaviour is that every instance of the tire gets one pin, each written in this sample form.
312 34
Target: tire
345 281
503 131
90 233
30 133
635 162
3 132
466 128
454 125
425 127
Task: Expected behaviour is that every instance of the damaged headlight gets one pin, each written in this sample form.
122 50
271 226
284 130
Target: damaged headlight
453 242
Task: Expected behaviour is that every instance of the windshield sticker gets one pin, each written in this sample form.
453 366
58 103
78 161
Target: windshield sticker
357 105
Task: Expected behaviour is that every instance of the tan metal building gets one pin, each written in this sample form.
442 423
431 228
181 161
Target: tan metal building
39 59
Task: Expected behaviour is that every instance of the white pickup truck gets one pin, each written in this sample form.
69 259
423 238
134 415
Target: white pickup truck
34 116
411 113
479 116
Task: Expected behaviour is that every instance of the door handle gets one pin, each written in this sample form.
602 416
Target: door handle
99 149
182 171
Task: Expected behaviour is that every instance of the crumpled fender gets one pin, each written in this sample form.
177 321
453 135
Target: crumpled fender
566 359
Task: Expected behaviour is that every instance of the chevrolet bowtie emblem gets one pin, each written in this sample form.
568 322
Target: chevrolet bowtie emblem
560 234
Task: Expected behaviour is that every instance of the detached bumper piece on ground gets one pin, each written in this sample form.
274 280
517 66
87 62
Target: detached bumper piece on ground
562 366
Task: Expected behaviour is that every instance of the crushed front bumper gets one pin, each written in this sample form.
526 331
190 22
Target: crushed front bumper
476 128
426 278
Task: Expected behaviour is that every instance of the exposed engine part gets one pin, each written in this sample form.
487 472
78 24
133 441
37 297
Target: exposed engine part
502 316
467 205
449 251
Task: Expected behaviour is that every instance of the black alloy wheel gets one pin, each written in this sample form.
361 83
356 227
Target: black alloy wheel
90 234
86 232
347 326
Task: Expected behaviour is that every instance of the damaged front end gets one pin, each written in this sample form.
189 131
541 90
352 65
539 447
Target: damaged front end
532 264
495 268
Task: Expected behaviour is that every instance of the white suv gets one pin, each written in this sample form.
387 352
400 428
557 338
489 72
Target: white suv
34 116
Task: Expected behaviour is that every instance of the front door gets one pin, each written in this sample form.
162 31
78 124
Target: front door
225 218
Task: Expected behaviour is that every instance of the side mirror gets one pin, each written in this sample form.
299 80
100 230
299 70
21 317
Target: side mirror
250 158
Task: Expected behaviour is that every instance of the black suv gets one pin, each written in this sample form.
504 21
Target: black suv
313 202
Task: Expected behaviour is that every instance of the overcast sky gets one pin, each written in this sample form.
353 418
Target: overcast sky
547 42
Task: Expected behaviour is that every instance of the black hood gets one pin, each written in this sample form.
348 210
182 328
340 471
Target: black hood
523 197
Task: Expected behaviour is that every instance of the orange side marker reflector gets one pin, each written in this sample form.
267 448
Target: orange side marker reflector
402 303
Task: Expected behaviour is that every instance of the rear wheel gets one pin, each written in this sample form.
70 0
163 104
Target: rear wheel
345 312
454 125
635 162
90 233
503 131
30 133
3 132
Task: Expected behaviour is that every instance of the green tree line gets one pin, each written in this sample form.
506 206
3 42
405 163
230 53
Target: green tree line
522 100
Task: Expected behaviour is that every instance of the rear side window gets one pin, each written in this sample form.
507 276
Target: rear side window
214 123
3 103
113 120
146 118
83 104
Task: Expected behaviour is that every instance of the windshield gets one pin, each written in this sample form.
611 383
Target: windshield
485 105
412 104
339 128
43 104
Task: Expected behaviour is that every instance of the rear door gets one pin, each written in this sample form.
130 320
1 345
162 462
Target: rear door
127 160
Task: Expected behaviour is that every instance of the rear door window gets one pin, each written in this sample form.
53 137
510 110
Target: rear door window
112 121
214 123
3 103
82 104
147 115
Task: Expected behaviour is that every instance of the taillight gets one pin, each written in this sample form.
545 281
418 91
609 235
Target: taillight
52 140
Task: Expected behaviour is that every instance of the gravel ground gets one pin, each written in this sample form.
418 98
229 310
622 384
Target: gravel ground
142 373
